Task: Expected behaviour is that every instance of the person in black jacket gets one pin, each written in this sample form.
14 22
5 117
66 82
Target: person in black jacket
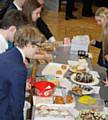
101 3
3 7
101 18
40 24
32 16
87 8
69 9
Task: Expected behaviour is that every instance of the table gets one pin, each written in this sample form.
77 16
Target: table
62 55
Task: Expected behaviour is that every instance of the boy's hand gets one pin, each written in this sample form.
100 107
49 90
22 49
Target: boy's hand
48 57
28 86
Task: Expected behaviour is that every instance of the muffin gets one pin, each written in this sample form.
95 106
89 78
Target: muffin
59 100
64 67
69 99
59 72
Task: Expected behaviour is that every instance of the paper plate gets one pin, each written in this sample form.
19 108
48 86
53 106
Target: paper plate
55 69
81 90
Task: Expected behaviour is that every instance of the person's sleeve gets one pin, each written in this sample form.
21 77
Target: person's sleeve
3 89
52 39
17 96
98 44
106 64
3 46
43 28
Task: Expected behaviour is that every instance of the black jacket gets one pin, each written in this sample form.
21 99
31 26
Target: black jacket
3 7
100 59
40 24
12 85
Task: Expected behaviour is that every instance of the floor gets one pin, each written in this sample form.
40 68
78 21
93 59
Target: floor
69 28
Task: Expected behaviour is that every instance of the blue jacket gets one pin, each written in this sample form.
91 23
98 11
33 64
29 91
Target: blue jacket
13 75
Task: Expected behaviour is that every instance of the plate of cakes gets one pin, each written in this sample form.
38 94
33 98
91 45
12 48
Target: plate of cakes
55 69
80 65
64 101
91 115
81 90
47 46
84 78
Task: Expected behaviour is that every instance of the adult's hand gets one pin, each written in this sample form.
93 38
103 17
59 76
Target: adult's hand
105 83
92 42
106 57
48 57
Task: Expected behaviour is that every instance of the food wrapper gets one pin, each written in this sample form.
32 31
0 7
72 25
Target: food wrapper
87 100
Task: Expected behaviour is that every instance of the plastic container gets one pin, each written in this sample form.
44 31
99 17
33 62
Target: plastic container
27 106
98 107
44 88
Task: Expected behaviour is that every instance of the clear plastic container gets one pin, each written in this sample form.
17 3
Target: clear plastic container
27 106
98 107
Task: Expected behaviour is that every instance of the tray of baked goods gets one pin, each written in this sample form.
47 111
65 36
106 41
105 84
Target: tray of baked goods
47 46
51 112
91 115
67 101
55 69
81 90
59 98
60 106
84 78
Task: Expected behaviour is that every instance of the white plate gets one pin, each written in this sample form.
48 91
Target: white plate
84 91
95 82
76 70
72 64
52 68
75 65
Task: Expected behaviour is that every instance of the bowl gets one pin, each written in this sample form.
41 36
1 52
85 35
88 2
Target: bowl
44 88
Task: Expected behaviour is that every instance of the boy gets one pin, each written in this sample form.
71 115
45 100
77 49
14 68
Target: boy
12 20
13 73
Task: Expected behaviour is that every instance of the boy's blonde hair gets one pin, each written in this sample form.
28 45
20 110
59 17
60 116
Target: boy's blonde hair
27 34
